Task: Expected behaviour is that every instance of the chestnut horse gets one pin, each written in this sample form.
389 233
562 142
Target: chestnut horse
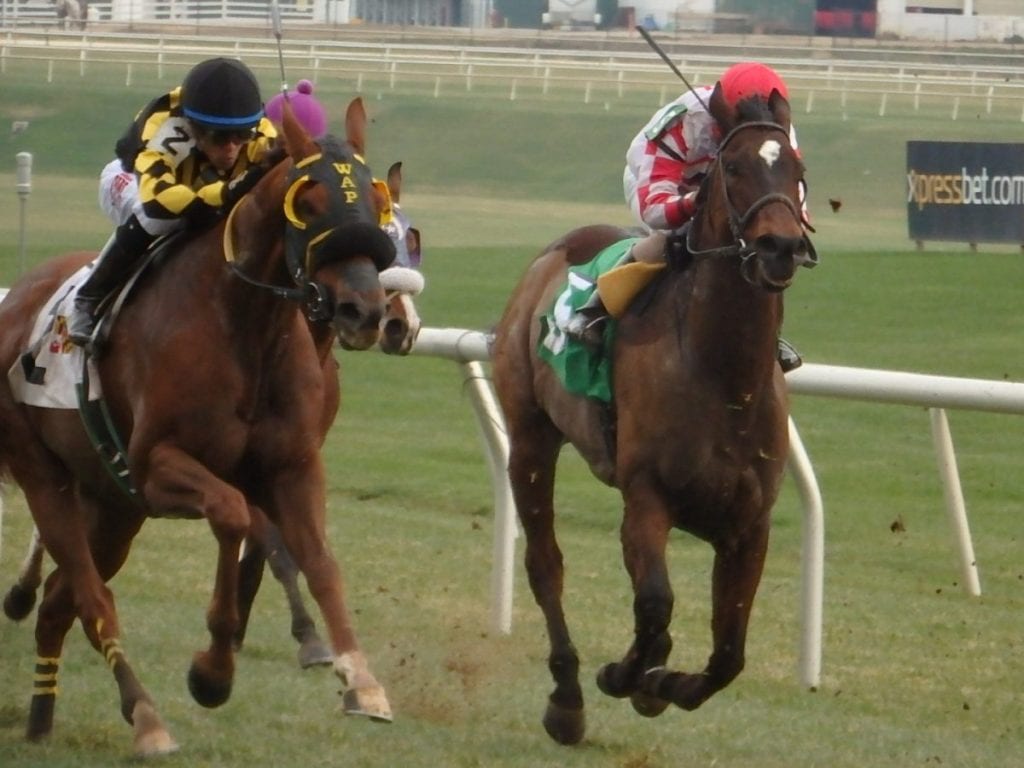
399 327
696 435
218 384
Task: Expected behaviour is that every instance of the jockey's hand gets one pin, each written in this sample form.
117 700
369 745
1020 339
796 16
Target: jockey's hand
242 183
201 217
688 203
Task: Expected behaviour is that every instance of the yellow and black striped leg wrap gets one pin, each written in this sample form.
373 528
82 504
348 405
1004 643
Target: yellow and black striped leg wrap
112 651
44 697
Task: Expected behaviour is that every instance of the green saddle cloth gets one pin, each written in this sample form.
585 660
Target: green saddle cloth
581 370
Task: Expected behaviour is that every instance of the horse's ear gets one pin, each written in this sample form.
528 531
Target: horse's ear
297 142
780 108
355 125
719 109
395 181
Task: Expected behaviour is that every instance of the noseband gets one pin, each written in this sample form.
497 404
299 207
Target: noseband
738 222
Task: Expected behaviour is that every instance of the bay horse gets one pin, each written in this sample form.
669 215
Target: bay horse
217 381
695 437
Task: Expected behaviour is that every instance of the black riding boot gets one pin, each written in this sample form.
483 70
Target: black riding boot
130 240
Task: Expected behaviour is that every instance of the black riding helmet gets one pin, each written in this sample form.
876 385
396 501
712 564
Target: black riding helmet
222 94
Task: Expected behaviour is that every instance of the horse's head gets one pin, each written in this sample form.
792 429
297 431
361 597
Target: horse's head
401 324
333 243
408 251
751 201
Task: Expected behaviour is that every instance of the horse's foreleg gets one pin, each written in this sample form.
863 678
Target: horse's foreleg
735 577
644 533
312 650
177 483
21 597
300 495
250 576
532 476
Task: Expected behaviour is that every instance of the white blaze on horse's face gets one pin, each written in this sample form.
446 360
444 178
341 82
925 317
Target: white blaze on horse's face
770 152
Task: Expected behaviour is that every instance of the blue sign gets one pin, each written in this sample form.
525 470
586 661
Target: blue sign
965 192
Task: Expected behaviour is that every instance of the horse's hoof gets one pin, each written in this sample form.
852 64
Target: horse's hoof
609 685
19 602
151 737
647 705
564 725
367 702
207 691
685 690
313 653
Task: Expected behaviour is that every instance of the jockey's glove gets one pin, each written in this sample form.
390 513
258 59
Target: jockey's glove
688 204
200 216
242 183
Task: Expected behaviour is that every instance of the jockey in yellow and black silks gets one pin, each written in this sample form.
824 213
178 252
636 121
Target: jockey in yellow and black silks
194 152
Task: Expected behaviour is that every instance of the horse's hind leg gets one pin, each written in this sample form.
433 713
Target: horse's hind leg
56 615
312 651
21 597
735 577
263 546
532 459
77 588
645 529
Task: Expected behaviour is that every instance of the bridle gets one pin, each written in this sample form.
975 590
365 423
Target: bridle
348 225
738 222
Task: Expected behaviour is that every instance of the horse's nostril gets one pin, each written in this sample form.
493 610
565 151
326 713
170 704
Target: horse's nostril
396 327
768 246
354 315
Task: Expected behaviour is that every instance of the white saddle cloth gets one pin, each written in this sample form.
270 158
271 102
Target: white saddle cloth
58 362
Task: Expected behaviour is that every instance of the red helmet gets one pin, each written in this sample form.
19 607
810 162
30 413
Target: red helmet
751 78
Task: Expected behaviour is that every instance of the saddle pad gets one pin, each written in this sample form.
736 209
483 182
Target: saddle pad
46 374
581 370
619 286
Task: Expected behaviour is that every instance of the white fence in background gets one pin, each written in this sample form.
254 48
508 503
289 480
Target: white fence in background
592 75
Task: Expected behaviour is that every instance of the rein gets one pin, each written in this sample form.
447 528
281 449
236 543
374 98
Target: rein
311 295
738 222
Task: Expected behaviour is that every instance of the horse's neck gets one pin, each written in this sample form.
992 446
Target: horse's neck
256 238
323 339
258 245
733 326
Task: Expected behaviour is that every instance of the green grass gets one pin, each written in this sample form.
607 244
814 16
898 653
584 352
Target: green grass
915 672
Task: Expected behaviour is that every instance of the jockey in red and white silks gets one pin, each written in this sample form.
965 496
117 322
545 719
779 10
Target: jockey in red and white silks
667 159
